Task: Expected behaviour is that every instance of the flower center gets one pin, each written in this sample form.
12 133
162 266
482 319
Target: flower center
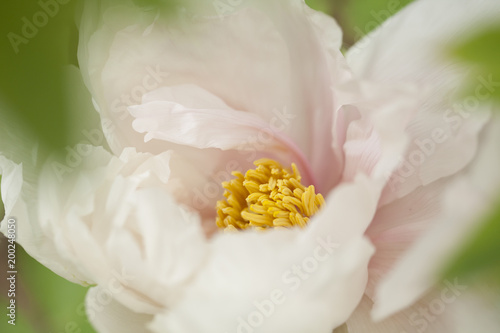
266 197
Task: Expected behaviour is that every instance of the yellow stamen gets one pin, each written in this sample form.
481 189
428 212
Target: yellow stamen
268 196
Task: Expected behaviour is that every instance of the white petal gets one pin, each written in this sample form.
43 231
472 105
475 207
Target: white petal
329 32
20 200
189 95
264 58
246 270
476 308
376 136
200 128
431 157
188 122
109 316
466 200
419 318
412 47
12 182
256 288
450 307
398 225
409 46
116 221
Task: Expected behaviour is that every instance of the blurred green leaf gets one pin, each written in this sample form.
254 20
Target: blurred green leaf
62 300
366 15
483 52
358 18
45 301
321 5
481 254
483 49
39 38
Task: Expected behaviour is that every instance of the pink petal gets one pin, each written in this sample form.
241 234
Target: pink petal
468 197
412 48
264 57
398 225
375 136
200 128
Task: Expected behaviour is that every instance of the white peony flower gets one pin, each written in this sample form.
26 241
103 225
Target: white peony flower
185 103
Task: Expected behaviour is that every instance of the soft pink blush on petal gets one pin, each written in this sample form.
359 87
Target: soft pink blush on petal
224 129
292 61
470 195
396 226
375 119
313 85
362 149
446 139
276 45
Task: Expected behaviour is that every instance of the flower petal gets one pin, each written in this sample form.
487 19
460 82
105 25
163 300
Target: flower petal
266 280
449 308
12 182
265 56
398 225
248 287
376 136
419 32
116 221
412 48
477 307
468 197
413 319
198 127
20 201
109 316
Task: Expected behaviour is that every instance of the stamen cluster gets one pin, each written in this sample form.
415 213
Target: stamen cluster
266 197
